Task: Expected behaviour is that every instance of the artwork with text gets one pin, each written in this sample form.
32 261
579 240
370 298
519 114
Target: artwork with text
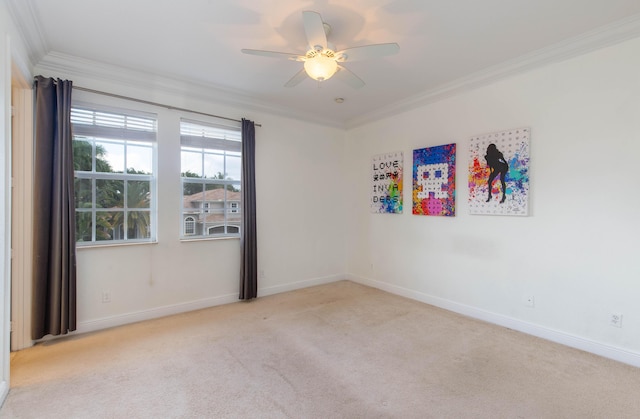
386 183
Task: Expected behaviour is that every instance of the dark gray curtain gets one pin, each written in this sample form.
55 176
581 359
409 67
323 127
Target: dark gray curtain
248 241
54 269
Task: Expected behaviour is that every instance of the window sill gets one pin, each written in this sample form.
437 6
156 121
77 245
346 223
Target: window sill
201 239
121 244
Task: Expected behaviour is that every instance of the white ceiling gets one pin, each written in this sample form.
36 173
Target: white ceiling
442 43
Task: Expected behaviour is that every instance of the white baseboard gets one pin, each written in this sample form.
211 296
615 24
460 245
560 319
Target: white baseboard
4 391
587 345
598 348
263 292
154 313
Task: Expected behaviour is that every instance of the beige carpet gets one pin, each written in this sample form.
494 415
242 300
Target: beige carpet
335 351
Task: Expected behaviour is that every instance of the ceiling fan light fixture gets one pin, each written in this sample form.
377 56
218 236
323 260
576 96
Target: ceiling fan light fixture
322 61
320 67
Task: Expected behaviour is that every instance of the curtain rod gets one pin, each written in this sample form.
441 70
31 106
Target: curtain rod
174 108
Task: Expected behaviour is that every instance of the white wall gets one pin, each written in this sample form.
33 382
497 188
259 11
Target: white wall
300 231
301 196
577 252
574 253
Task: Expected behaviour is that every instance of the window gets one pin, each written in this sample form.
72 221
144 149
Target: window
189 226
220 230
210 173
114 160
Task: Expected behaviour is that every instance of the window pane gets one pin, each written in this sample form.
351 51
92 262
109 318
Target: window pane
191 163
139 158
138 223
233 192
214 186
234 167
82 155
216 209
234 218
111 156
109 225
102 165
215 216
109 193
192 195
214 165
83 193
83 226
138 195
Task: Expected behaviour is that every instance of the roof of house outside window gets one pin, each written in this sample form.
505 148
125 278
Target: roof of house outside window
211 196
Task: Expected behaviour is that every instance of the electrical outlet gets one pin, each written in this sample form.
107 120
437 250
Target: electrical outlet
106 296
262 274
616 320
529 301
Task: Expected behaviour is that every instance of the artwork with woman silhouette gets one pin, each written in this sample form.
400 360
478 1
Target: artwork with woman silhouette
499 173
498 167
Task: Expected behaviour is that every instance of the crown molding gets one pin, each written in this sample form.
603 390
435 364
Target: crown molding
614 33
127 81
28 25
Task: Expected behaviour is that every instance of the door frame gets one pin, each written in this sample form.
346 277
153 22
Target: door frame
5 215
21 212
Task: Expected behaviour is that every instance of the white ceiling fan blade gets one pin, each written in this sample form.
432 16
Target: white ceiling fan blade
295 80
367 51
314 28
273 54
348 77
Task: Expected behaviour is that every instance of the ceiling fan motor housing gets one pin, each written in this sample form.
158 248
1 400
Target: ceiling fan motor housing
320 65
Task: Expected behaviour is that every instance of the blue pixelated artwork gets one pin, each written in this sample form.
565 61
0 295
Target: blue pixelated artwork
434 180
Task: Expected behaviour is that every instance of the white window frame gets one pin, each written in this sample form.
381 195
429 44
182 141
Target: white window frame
222 140
96 124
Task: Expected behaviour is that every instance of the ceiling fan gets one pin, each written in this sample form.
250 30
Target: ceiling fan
322 61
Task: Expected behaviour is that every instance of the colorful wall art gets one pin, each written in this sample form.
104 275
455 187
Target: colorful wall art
434 180
386 183
499 173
